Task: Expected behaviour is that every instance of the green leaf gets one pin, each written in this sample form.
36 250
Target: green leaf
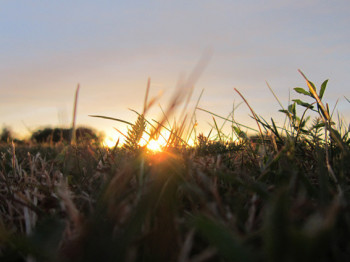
301 90
323 88
322 124
284 111
275 128
291 109
319 125
304 104
239 132
313 86
303 124
217 129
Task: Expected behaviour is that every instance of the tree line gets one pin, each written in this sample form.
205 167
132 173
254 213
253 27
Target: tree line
53 135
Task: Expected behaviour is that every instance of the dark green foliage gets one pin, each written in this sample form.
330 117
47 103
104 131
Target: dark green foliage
6 135
56 135
301 90
278 207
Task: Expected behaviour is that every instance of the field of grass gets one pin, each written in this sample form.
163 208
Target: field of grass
280 195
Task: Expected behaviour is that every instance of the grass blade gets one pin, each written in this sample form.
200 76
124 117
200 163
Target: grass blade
114 119
73 134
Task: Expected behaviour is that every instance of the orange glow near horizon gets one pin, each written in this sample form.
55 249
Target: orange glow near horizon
110 142
155 144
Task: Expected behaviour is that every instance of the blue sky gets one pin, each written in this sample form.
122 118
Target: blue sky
112 47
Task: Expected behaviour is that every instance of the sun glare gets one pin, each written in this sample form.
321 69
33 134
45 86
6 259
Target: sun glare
110 141
156 145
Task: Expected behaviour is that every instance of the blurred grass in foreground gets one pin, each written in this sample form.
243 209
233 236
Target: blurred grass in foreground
282 195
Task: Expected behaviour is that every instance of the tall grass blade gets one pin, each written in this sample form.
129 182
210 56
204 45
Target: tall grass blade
145 108
253 113
74 119
192 125
314 94
229 120
273 93
217 129
114 119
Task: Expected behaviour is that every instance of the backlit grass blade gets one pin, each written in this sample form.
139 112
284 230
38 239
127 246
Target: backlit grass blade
217 129
315 95
145 107
253 113
114 119
229 120
73 134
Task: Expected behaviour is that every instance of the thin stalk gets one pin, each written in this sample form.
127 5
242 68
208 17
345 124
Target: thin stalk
301 120
217 129
254 115
112 118
145 107
164 115
330 170
229 120
73 133
279 102
170 130
193 116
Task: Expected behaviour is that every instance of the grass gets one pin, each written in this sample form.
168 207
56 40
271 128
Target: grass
282 195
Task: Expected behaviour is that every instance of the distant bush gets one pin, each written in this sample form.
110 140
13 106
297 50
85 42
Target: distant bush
6 135
56 135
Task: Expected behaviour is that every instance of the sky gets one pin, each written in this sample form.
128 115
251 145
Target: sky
111 48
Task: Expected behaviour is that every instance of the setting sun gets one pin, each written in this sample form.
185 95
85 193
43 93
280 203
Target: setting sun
155 144
113 140
109 142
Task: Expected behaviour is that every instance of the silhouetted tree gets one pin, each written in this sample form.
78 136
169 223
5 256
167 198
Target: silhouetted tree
6 135
55 135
